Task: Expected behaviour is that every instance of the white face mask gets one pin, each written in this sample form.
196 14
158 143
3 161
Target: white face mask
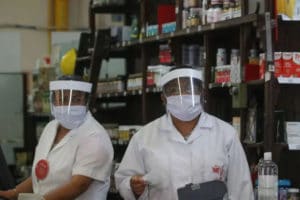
69 117
183 107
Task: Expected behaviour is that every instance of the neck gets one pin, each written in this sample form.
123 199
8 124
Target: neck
61 133
185 127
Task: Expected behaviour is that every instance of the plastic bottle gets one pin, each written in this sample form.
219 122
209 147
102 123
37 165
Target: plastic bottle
267 178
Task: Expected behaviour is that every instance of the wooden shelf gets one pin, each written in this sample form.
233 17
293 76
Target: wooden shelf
253 145
40 114
229 84
255 82
191 31
108 9
221 85
129 93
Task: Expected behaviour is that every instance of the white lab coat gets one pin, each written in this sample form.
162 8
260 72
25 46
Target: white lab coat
168 161
86 150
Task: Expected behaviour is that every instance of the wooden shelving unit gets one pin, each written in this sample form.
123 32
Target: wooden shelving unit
239 33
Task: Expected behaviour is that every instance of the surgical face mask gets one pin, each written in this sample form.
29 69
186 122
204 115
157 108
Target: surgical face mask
184 107
69 117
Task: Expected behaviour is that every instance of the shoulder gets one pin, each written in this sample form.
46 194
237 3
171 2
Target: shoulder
222 131
92 132
150 131
92 127
223 126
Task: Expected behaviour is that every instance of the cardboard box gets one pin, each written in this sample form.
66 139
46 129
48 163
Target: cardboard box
296 63
278 63
262 65
287 64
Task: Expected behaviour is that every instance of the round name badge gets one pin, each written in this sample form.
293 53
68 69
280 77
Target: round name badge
42 169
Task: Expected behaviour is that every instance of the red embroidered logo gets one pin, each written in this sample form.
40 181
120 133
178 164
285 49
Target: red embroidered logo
216 169
219 171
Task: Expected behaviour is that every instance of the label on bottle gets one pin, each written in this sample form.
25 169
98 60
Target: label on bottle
267 181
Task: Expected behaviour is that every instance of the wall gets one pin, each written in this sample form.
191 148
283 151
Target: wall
32 43
29 44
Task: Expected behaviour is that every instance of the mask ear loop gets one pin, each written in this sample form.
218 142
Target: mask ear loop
51 103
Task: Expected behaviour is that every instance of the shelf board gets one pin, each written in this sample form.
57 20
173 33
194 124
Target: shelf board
40 114
130 93
83 59
229 84
220 85
108 9
192 30
254 145
120 94
288 80
256 82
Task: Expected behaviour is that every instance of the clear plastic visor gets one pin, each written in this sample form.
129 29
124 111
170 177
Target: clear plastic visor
66 98
183 88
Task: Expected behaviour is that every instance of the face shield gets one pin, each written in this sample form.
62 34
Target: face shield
183 90
69 100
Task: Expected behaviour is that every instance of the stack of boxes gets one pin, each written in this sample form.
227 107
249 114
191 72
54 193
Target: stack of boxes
287 64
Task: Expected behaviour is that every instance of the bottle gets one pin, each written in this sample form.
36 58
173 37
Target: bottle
221 56
267 178
235 72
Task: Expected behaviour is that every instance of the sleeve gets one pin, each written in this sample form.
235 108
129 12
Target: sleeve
238 179
94 158
132 164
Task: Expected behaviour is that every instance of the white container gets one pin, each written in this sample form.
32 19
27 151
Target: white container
221 57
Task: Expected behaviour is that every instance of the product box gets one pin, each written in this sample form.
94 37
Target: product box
222 74
252 72
292 127
296 63
165 14
262 65
287 64
278 63
290 9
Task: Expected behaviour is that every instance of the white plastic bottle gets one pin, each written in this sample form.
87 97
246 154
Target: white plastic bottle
267 178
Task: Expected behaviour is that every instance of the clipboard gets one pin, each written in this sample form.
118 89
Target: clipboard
212 190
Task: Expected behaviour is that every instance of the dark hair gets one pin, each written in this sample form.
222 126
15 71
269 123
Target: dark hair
70 78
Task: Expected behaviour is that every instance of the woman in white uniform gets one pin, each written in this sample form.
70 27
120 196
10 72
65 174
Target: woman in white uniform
186 145
74 155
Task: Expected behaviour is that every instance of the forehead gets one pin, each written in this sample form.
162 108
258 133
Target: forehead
69 92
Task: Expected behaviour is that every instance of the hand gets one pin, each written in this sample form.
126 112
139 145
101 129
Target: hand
137 185
9 194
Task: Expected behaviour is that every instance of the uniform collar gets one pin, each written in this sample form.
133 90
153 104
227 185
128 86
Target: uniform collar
203 126
72 133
